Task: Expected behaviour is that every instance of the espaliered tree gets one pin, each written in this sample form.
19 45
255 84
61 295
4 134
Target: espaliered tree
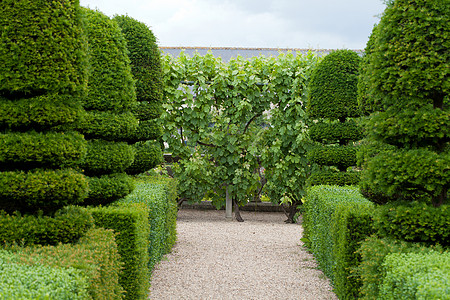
108 121
408 75
145 60
43 76
333 102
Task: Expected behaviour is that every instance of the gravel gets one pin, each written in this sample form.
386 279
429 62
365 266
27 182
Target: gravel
216 258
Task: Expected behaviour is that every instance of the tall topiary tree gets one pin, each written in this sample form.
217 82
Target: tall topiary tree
43 74
145 60
409 74
108 121
333 101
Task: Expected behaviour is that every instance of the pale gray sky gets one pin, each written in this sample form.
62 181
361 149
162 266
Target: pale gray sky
325 24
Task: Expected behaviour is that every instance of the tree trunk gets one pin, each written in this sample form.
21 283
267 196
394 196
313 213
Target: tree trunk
237 213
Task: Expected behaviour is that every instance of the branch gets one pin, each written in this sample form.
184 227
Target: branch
206 144
249 122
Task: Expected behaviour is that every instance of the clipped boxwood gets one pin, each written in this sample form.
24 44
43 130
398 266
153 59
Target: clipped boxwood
333 86
339 156
104 157
108 126
414 222
29 150
108 188
336 131
40 189
131 224
147 130
53 30
111 85
148 154
19 281
40 112
333 178
68 225
336 219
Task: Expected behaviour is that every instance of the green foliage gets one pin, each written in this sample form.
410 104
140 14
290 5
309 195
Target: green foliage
333 178
336 132
333 86
40 189
42 47
339 156
95 256
18 281
108 188
107 125
40 112
33 149
416 276
414 222
148 154
145 110
67 225
145 59
162 207
131 223
373 252
104 157
111 85
336 219
147 130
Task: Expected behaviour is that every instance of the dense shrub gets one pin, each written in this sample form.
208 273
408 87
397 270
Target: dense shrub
42 47
147 130
414 222
336 220
108 188
68 225
341 157
19 281
147 155
32 149
39 189
131 223
334 178
95 256
336 132
144 110
371 270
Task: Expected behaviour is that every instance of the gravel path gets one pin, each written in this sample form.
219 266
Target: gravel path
216 258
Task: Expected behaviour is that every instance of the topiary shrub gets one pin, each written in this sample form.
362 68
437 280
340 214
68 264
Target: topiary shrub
108 188
332 100
146 68
406 75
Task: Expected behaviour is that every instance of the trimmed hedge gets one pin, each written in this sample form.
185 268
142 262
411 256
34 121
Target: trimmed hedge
95 256
19 281
148 154
41 112
32 149
372 269
333 86
40 189
68 225
111 85
330 133
108 188
104 157
333 178
414 222
42 47
336 219
132 225
159 195
147 130
340 156
145 110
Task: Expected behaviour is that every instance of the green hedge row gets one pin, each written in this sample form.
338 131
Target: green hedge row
40 189
108 188
159 195
393 269
330 133
131 223
95 256
32 149
340 156
41 112
335 220
68 225
333 178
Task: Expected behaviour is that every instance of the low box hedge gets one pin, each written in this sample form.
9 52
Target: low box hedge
336 220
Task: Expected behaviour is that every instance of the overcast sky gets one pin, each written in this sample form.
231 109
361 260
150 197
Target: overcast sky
319 24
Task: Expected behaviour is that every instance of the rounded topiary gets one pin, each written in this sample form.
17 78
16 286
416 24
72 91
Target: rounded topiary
333 178
108 188
340 156
145 110
336 132
42 48
148 155
333 86
407 72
